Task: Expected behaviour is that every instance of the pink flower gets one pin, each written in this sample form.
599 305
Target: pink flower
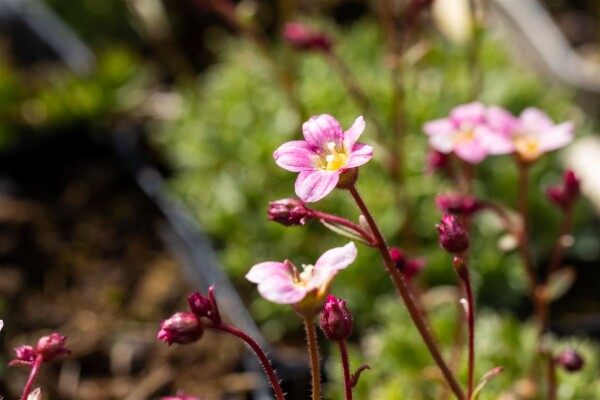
466 134
532 134
323 155
302 37
282 283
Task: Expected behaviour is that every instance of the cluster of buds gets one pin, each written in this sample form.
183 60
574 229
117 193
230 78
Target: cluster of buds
565 194
187 327
457 204
336 321
300 36
408 267
453 235
289 212
47 349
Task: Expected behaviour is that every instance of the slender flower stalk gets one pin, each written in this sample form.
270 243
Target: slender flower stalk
523 237
313 350
39 359
345 369
552 387
410 303
264 360
465 278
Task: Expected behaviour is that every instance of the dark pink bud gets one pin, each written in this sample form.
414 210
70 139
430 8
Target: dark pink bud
436 162
570 360
300 36
25 356
204 306
453 236
565 194
571 184
51 346
457 204
181 328
289 212
408 267
336 320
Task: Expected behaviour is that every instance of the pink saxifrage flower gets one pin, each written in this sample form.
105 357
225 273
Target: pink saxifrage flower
281 282
532 134
466 133
323 155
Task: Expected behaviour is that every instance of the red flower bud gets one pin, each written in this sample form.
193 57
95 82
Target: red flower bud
565 194
51 346
453 236
300 36
204 306
25 356
336 320
408 267
436 162
457 204
570 360
181 328
289 212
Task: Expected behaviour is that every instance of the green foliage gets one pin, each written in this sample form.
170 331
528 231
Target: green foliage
402 370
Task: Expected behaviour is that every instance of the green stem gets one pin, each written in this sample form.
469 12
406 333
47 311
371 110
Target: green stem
411 306
313 349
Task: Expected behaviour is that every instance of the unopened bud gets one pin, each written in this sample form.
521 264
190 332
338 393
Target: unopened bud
289 212
409 267
436 162
25 356
565 194
51 346
570 360
181 328
453 236
300 36
336 320
205 306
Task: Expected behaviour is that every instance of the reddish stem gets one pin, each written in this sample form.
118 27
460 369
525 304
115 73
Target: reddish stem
411 306
466 280
346 369
559 247
32 375
264 360
372 241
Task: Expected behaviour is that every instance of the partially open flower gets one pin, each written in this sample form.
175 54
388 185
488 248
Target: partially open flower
570 360
25 356
336 320
281 282
453 236
181 328
325 153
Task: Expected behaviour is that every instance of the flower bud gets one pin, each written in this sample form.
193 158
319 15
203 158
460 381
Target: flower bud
457 204
409 267
453 236
565 194
436 162
25 356
204 306
300 36
336 320
289 212
51 346
570 360
181 328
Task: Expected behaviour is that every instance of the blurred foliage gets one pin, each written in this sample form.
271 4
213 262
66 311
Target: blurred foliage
236 116
402 371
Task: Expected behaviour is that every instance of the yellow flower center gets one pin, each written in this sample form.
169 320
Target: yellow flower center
527 147
334 160
464 134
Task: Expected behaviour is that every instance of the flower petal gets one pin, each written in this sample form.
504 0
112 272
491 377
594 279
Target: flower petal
439 127
442 143
500 120
281 291
533 119
558 136
351 135
337 258
312 186
493 142
295 156
261 271
360 154
473 113
472 151
322 129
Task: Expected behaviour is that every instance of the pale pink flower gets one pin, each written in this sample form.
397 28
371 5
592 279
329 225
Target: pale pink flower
281 282
532 134
466 133
323 155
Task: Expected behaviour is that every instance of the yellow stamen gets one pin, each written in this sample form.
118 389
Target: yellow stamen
334 160
527 147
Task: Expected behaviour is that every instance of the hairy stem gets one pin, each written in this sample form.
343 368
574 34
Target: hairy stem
32 375
411 306
264 360
313 349
346 369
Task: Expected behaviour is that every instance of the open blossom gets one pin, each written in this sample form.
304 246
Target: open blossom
466 133
323 155
532 134
281 282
